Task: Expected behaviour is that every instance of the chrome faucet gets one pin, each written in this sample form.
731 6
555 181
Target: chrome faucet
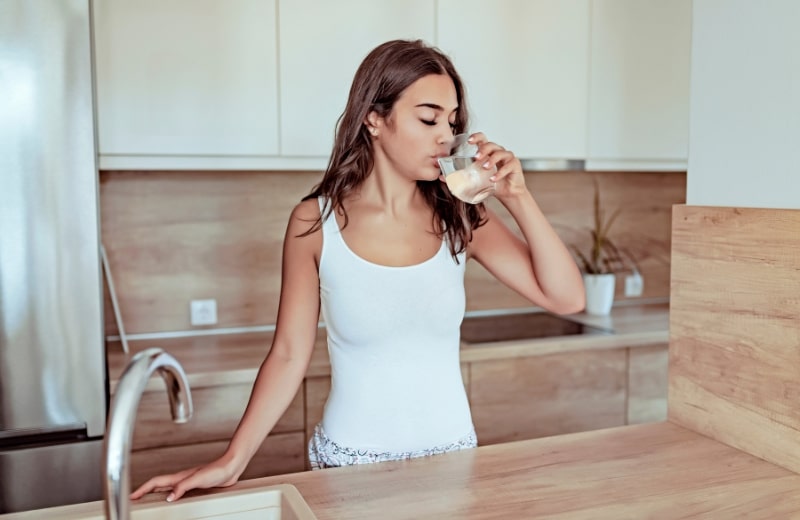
117 442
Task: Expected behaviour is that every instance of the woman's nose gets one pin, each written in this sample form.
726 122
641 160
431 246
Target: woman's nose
446 137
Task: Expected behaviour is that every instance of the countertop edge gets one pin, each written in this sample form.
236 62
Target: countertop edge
470 353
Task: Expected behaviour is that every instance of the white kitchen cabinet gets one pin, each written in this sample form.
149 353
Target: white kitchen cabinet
260 84
639 84
321 46
186 83
525 64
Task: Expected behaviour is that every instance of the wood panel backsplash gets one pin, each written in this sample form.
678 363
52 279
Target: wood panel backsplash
734 371
176 236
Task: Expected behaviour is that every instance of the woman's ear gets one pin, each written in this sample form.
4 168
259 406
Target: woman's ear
372 122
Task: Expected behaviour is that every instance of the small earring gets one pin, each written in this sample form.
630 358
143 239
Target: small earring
373 131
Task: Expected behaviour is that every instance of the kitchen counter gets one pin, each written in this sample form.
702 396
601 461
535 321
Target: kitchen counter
235 358
657 470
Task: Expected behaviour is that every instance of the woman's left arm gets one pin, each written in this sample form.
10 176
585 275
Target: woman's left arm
540 267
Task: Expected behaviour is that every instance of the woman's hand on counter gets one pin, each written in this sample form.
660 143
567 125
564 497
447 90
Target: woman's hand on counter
214 474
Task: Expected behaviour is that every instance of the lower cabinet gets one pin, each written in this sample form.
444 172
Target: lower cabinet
540 396
511 399
280 453
648 383
161 446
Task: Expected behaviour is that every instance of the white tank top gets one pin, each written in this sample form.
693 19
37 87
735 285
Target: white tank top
393 340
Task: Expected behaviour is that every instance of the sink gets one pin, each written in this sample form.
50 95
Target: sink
280 502
522 325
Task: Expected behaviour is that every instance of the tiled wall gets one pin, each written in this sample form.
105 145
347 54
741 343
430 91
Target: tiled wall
176 236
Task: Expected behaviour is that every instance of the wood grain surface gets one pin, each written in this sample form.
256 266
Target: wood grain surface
648 383
657 470
220 359
642 228
217 412
525 398
174 236
735 328
280 453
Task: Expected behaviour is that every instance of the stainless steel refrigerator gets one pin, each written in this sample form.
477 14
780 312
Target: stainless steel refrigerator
53 383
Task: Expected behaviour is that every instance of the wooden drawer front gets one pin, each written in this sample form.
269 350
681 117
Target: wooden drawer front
648 384
539 396
280 453
217 411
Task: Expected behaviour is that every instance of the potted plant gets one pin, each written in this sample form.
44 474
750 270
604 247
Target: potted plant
601 262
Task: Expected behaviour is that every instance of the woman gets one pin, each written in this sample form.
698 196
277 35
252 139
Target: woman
379 248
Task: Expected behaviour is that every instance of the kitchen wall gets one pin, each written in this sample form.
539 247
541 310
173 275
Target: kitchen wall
744 126
174 236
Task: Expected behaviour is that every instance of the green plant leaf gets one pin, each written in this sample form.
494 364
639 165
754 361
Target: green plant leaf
609 222
603 257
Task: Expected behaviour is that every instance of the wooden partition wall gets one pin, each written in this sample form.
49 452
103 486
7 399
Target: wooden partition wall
174 236
734 371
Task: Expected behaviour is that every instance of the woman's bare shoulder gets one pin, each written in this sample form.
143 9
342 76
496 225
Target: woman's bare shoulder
304 215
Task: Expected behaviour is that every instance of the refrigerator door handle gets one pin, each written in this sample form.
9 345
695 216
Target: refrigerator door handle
33 436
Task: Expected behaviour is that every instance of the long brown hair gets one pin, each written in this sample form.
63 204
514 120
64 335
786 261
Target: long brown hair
381 78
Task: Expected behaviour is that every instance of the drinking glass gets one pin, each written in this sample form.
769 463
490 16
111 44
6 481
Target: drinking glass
466 179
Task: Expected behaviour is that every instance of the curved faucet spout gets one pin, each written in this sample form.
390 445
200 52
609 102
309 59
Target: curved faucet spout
121 420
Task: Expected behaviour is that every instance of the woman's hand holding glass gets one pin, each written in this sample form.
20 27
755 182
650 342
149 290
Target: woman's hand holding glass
477 168
508 178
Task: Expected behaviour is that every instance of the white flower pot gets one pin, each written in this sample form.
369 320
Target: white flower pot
599 293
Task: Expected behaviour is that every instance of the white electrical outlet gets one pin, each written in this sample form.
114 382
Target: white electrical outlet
203 312
634 284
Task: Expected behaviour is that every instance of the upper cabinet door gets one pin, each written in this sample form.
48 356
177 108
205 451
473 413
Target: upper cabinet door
186 78
639 84
525 66
321 45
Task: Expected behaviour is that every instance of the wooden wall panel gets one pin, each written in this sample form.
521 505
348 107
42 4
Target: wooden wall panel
643 226
176 236
735 328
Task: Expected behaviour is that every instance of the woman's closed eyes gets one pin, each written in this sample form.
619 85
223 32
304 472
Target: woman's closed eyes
433 123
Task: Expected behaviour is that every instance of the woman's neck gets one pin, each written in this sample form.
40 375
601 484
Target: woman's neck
384 187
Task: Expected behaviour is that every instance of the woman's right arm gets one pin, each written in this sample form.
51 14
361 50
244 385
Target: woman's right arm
282 371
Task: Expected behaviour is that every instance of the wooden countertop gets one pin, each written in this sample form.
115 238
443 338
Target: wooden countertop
656 470
235 358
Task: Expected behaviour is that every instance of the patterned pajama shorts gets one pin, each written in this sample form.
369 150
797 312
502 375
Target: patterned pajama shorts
325 453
